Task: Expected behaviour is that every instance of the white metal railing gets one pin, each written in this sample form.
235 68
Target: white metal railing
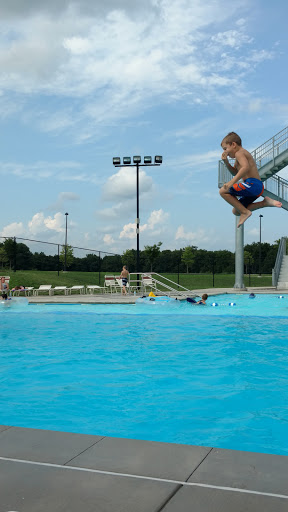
271 148
158 284
277 186
279 259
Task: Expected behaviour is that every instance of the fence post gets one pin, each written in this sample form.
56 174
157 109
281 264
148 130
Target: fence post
58 260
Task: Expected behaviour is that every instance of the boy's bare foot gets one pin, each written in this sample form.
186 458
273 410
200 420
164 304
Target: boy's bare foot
243 217
271 202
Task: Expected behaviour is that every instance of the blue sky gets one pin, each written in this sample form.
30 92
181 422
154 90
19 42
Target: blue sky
83 81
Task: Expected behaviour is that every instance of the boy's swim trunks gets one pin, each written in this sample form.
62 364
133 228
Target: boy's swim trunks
247 191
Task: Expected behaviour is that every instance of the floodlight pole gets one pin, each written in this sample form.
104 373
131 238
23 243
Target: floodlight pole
137 165
137 225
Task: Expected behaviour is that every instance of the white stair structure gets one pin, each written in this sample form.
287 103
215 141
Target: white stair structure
283 276
158 284
280 271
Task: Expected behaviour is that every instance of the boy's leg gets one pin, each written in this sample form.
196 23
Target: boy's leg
244 212
267 202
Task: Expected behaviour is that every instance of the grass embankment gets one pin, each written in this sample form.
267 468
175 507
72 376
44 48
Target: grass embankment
191 281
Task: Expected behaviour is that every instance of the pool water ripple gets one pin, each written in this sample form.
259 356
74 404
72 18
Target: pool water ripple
190 376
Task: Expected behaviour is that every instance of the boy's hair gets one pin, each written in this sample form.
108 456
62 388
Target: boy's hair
232 137
204 296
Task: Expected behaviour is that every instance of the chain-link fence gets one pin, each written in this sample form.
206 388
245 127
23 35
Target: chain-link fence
19 253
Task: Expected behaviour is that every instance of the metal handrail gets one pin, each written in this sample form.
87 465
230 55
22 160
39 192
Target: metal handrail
281 252
273 144
167 289
277 186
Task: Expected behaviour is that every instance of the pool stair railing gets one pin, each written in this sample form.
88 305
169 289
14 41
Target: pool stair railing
280 271
158 284
270 157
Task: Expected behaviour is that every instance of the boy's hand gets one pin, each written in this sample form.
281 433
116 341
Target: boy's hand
224 155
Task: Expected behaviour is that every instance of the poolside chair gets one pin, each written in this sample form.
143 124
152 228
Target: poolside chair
25 291
58 289
110 283
147 282
77 288
91 288
42 288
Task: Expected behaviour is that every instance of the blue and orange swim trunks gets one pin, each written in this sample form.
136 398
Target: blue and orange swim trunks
247 191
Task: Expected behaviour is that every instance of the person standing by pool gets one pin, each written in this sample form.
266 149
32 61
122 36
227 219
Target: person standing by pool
124 276
3 285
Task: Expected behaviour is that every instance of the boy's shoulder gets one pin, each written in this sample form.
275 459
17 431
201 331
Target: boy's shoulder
243 151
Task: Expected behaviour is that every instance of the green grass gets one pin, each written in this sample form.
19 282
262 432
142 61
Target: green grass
190 281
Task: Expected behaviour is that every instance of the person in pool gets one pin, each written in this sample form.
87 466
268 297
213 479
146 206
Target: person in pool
203 299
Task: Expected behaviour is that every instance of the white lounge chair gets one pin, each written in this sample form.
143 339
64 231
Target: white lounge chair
147 282
25 291
91 288
110 283
42 288
77 288
58 289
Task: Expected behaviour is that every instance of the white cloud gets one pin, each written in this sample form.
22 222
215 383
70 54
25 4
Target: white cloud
13 229
122 185
232 38
115 62
63 197
60 171
190 236
40 224
157 218
108 239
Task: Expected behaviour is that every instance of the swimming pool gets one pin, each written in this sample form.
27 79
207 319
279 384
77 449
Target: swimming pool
213 376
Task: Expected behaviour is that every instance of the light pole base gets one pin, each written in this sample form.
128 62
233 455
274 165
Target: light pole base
239 287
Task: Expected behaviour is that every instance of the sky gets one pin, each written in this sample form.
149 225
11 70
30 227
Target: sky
84 81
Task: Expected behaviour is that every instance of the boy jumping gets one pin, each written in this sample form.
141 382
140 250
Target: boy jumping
244 169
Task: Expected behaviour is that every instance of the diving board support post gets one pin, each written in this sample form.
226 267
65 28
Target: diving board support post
239 256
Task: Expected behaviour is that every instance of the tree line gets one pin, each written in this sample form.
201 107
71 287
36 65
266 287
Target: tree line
190 259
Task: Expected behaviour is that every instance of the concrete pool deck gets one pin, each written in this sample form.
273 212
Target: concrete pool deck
117 298
49 471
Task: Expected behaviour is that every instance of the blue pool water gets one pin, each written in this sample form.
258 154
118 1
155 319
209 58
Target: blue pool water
174 372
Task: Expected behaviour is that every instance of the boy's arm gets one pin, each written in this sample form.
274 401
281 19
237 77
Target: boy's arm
230 167
241 172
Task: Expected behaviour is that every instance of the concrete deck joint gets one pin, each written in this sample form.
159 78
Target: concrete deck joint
144 477
197 467
85 450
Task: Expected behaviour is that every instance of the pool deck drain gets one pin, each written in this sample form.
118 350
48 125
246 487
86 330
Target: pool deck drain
51 471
